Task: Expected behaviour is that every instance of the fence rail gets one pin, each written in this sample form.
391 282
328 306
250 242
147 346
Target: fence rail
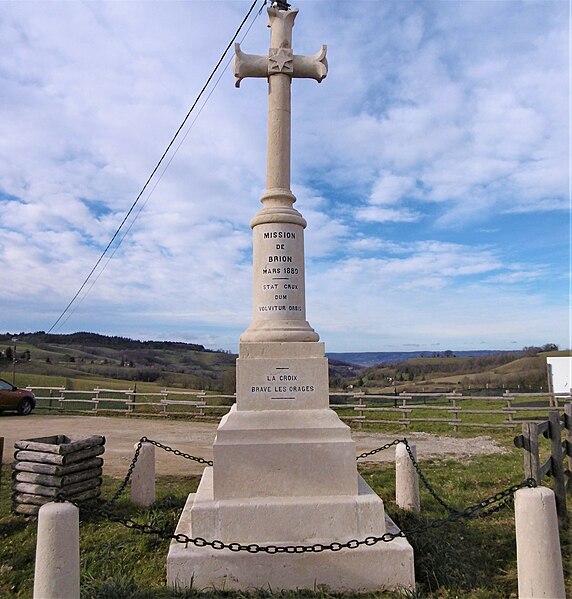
451 409
447 408
128 401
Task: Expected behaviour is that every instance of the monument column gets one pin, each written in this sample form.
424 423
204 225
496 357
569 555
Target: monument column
284 467
279 303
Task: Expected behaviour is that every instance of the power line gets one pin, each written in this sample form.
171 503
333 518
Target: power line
209 79
157 181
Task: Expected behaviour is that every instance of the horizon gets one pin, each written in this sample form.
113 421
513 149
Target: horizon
432 165
433 349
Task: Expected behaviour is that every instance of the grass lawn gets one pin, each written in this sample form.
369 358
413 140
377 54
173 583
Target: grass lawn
473 560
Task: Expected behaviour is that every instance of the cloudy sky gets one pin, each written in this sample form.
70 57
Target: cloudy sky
432 166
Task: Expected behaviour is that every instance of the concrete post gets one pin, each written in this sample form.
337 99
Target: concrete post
143 478
57 552
406 479
538 554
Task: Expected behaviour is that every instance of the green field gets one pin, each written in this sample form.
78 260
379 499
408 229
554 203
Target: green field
471 559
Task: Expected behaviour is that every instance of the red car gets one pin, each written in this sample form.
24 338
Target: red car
13 398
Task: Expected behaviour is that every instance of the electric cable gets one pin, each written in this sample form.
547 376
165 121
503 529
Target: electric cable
157 181
209 79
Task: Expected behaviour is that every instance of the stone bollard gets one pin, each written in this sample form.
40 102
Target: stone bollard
57 552
539 560
406 479
143 478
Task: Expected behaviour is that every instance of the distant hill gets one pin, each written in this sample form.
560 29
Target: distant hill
91 355
63 360
375 358
95 339
524 370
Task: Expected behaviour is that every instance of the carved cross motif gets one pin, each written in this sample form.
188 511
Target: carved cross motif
280 60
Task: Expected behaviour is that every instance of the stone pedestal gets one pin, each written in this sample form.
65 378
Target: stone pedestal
285 474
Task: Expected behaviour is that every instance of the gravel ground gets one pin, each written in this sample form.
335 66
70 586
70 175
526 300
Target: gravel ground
197 438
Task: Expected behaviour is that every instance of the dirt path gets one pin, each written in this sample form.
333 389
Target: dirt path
197 438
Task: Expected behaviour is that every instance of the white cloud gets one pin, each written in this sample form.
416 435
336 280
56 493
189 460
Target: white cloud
389 189
452 118
435 293
383 215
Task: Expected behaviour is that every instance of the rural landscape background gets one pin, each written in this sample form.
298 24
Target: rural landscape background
84 360
473 559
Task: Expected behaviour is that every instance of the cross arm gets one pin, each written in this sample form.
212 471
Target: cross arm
280 60
311 67
248 65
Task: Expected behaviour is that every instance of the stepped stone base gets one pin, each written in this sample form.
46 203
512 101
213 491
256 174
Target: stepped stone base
380 567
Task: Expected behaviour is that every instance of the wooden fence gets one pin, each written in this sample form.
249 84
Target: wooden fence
554 466
130 402
500 411
451 409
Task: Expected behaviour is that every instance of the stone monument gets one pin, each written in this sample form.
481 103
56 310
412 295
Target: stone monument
284 464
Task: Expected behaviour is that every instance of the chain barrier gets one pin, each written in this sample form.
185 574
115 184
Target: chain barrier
450 510
176 452
127 478
478 510
382 448
422 477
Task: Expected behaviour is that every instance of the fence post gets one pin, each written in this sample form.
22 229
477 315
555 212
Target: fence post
455 414
550 381
164 398
557 467
1 456
404 413
531 458
539 560
130 401
57 552
360 401
568 427
143 477
509 418
406 479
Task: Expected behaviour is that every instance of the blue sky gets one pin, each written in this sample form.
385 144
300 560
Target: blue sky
432 166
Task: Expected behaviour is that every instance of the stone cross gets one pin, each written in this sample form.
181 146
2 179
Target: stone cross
279 307
284 469
279 67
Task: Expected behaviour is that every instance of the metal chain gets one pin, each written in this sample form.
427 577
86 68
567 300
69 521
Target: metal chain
177 452
127 477
504 497
423 478
382 448
250 548
478 510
